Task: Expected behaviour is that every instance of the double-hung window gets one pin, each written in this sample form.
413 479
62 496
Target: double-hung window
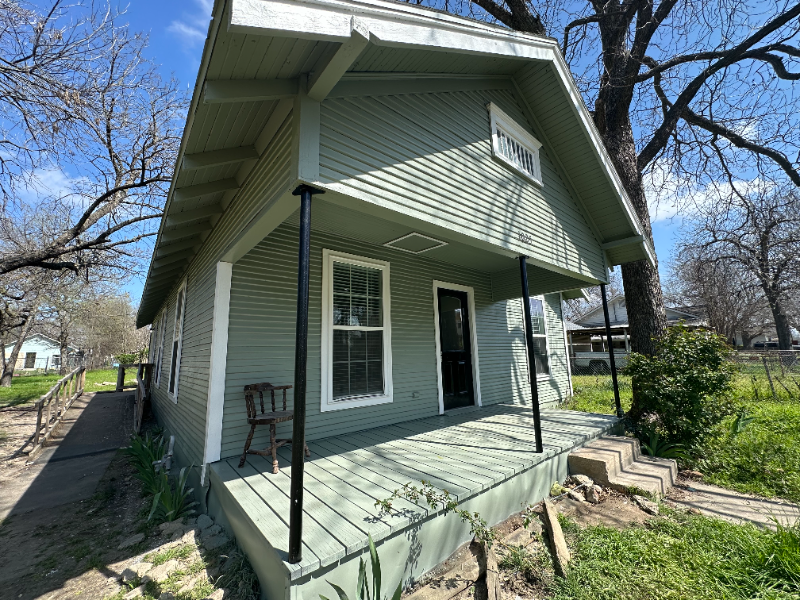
356 332
513 146
539 331
177 343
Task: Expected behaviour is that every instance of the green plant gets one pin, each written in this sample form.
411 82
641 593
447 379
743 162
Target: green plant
172 502
362 585
741 421
683 390
445 502
655 446
143 452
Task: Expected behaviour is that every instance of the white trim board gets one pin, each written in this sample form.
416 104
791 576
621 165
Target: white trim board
218 362
566 343
326 334
473 340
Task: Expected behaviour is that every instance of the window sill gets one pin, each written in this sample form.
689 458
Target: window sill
328 406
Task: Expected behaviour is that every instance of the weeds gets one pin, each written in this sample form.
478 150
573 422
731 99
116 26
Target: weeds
171 502
363 589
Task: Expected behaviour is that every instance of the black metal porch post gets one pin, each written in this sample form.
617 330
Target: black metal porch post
300 359
526 307
609 341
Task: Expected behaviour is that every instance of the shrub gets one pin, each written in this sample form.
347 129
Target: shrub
143 453
170 503
684 390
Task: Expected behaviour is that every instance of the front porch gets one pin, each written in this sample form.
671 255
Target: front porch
485 457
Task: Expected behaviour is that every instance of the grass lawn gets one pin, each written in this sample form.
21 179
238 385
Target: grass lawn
28 388
679 556
763 459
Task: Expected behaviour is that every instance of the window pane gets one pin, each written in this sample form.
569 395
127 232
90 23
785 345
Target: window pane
451 324
540 354
537 316
357 295
357 363
341 278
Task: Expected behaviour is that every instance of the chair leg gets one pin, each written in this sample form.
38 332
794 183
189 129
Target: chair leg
247 445
308 452
273 446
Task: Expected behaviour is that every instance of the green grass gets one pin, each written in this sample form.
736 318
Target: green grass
29 388
595 393
672 558
762 459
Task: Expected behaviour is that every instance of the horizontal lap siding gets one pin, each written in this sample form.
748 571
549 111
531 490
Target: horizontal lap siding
187 419
430 155
262 330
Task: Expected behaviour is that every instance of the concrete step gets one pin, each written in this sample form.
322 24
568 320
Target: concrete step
617 463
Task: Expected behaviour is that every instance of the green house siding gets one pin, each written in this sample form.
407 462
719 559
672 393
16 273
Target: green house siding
186 419
429 155
262 329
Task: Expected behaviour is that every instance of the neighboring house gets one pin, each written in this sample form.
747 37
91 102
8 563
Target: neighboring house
587 333
39 352
446 149
769 340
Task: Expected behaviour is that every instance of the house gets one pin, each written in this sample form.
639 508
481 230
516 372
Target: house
365 192
39 352
587 333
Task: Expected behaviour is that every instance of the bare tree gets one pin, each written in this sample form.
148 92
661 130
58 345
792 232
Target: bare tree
730 297
573 309
19 305
759 233
687 89
81 103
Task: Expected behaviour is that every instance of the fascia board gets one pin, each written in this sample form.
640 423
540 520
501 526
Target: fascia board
389 24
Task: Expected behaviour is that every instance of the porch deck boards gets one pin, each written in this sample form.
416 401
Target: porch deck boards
464 453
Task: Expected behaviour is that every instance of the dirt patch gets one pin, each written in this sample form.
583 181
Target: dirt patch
74 550
616 510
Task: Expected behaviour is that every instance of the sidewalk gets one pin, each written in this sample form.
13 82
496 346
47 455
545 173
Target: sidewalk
75 458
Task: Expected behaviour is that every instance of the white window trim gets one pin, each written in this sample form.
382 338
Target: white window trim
543 376
499 118
176 364
566 342
326 387
158 363
473 340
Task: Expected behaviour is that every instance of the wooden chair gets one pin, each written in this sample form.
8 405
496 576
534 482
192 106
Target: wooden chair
266 418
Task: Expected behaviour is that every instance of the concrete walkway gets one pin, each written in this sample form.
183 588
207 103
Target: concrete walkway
70 466
722 503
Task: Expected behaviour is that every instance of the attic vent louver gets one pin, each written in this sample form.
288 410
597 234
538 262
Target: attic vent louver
415 243
514 146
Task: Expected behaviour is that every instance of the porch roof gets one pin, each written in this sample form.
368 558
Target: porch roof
464 452
257 50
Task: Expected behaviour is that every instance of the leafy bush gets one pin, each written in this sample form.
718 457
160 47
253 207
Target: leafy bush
127 359
362 586
684 390
655 446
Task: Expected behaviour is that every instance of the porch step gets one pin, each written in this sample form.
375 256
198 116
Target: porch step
618 463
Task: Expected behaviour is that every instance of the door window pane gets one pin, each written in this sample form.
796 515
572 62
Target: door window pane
451 323
537 316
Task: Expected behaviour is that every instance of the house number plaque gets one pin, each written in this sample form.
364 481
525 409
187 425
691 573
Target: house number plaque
525 238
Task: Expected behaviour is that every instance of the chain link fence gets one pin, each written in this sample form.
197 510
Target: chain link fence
763 373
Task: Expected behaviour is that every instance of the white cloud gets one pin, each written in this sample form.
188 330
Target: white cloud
670 196
191 29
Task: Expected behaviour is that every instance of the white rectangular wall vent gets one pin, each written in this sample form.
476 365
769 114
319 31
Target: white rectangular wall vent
415 243
514 146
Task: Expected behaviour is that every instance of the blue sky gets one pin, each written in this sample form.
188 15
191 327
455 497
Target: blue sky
177 30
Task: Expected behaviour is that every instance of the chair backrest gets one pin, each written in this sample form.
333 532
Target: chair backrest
259 388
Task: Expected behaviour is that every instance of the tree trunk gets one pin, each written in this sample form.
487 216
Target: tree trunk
63 336
781 323
8 366
643 297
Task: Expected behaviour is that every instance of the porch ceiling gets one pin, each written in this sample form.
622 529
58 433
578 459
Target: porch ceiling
340 215
466 453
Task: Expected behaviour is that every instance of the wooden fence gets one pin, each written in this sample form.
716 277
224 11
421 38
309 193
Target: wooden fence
51 407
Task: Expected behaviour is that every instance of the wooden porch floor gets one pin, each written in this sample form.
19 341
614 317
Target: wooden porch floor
463 453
